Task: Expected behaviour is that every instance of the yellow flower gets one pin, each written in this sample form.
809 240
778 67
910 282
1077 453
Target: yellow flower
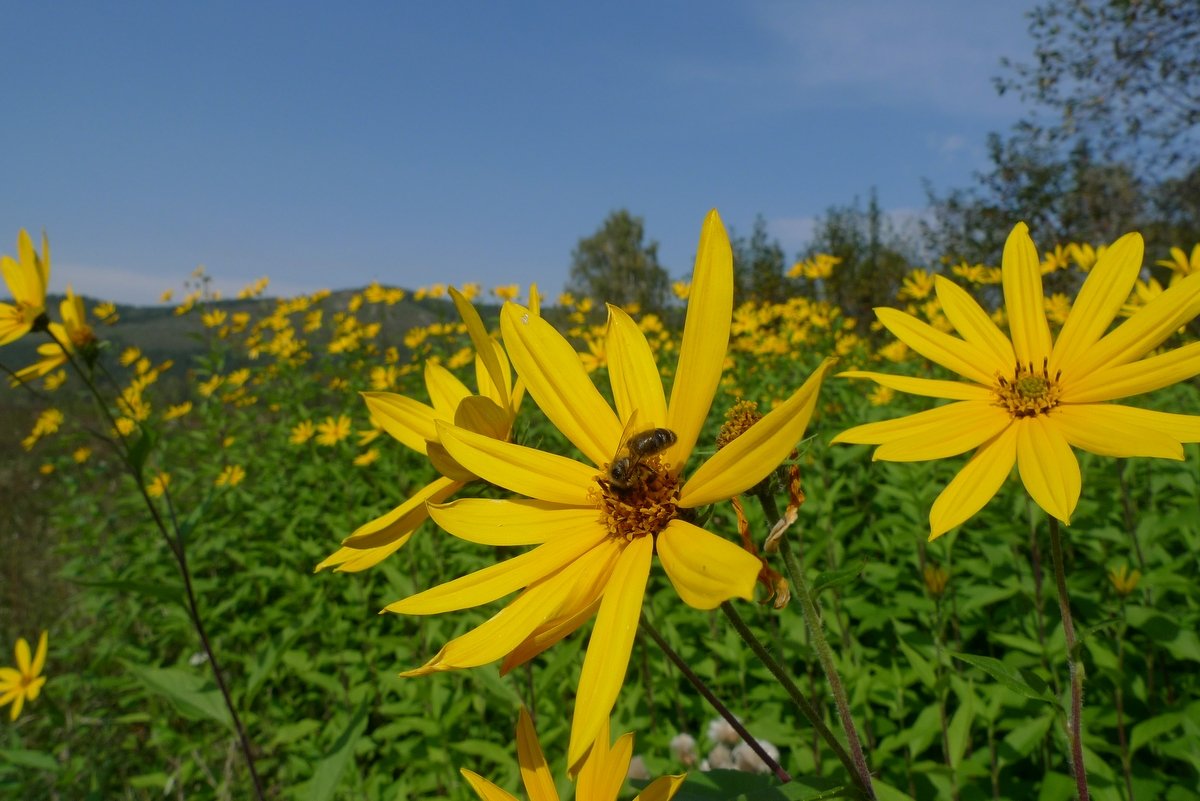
55 380
207 388
917 285
231 476
72 335
597 531
178 410
158 485
27 277
46 469
302 432
491 412
936 579
214 318
600 777
1123 581
881 396
681 289
166 296
507 292
331 431
125 426
1028 400
1181 264
130 355
24 682
366 458
81 454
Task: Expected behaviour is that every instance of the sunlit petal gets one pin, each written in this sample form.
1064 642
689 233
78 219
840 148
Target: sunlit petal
752 456
609 647
521 521
636 383
1023 298
409 421
603 772
1137 377
1111 430
535 773
969 361
929 387
661 789
445 390
354 560
975 484
1049 469
402 520
498 580
973 323
557 380
526 471
1100 298
39 657
705 569
485 350
924 423
705 339
484 788
961 427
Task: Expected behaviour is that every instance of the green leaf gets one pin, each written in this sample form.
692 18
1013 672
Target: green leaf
920 665
158 592
139 451
1148 730
38 760
839 577
1015 679
329 770
959 731
195 697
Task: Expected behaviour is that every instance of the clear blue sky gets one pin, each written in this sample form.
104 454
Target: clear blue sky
330 145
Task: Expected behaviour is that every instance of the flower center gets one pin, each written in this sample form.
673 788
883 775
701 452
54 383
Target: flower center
738 419
639 507
1028 393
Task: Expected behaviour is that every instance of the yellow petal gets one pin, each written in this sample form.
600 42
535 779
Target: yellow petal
926 423
960 427
972 322
1142 332
39 657
609 647
751 457
354 560
1135 378
505 630
484 788
1023 299
547 635
409 421
535 773
498 580
636 384
705 339
1049 469
445 390
526 471
501 393
483 416
1111 430
603 773
975 484
519 521
24 659
404 519
953 353
929 387
485 351
556 379
1100 298
662 788
705 569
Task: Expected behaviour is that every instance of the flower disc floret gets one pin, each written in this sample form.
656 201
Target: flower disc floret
1029 393
643 511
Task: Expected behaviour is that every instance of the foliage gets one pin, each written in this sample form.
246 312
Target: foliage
758 266
616 265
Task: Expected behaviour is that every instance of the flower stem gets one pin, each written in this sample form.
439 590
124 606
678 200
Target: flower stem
722 710
1075 718
175 542
812 617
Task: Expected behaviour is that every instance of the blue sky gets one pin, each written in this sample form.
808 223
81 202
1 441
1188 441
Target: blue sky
330 145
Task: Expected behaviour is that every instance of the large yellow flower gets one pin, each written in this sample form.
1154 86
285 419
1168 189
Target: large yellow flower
71 335
1028 400
25 681
490 413
27 277
596 540
600 778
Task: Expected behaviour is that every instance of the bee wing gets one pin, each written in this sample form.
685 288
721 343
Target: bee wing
626 433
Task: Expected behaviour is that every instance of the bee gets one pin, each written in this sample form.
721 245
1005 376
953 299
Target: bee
628 467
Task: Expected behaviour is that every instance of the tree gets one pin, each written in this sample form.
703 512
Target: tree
874 256
615 265
1125 73
758 266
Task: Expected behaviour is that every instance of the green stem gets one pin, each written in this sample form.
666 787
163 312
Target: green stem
716 703
176 545
1075 717
812 617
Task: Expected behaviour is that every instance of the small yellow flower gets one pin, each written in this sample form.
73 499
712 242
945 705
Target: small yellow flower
331 431
228 442
46 469
158 485
81 454
178 410
302 432
130 355
207 388
917 285
231 476
166 296
238 377
214 318
72 335
1124 581
881 396
681 289
366 458
601 775
24 682
507 292
27 277
106 313
55 380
